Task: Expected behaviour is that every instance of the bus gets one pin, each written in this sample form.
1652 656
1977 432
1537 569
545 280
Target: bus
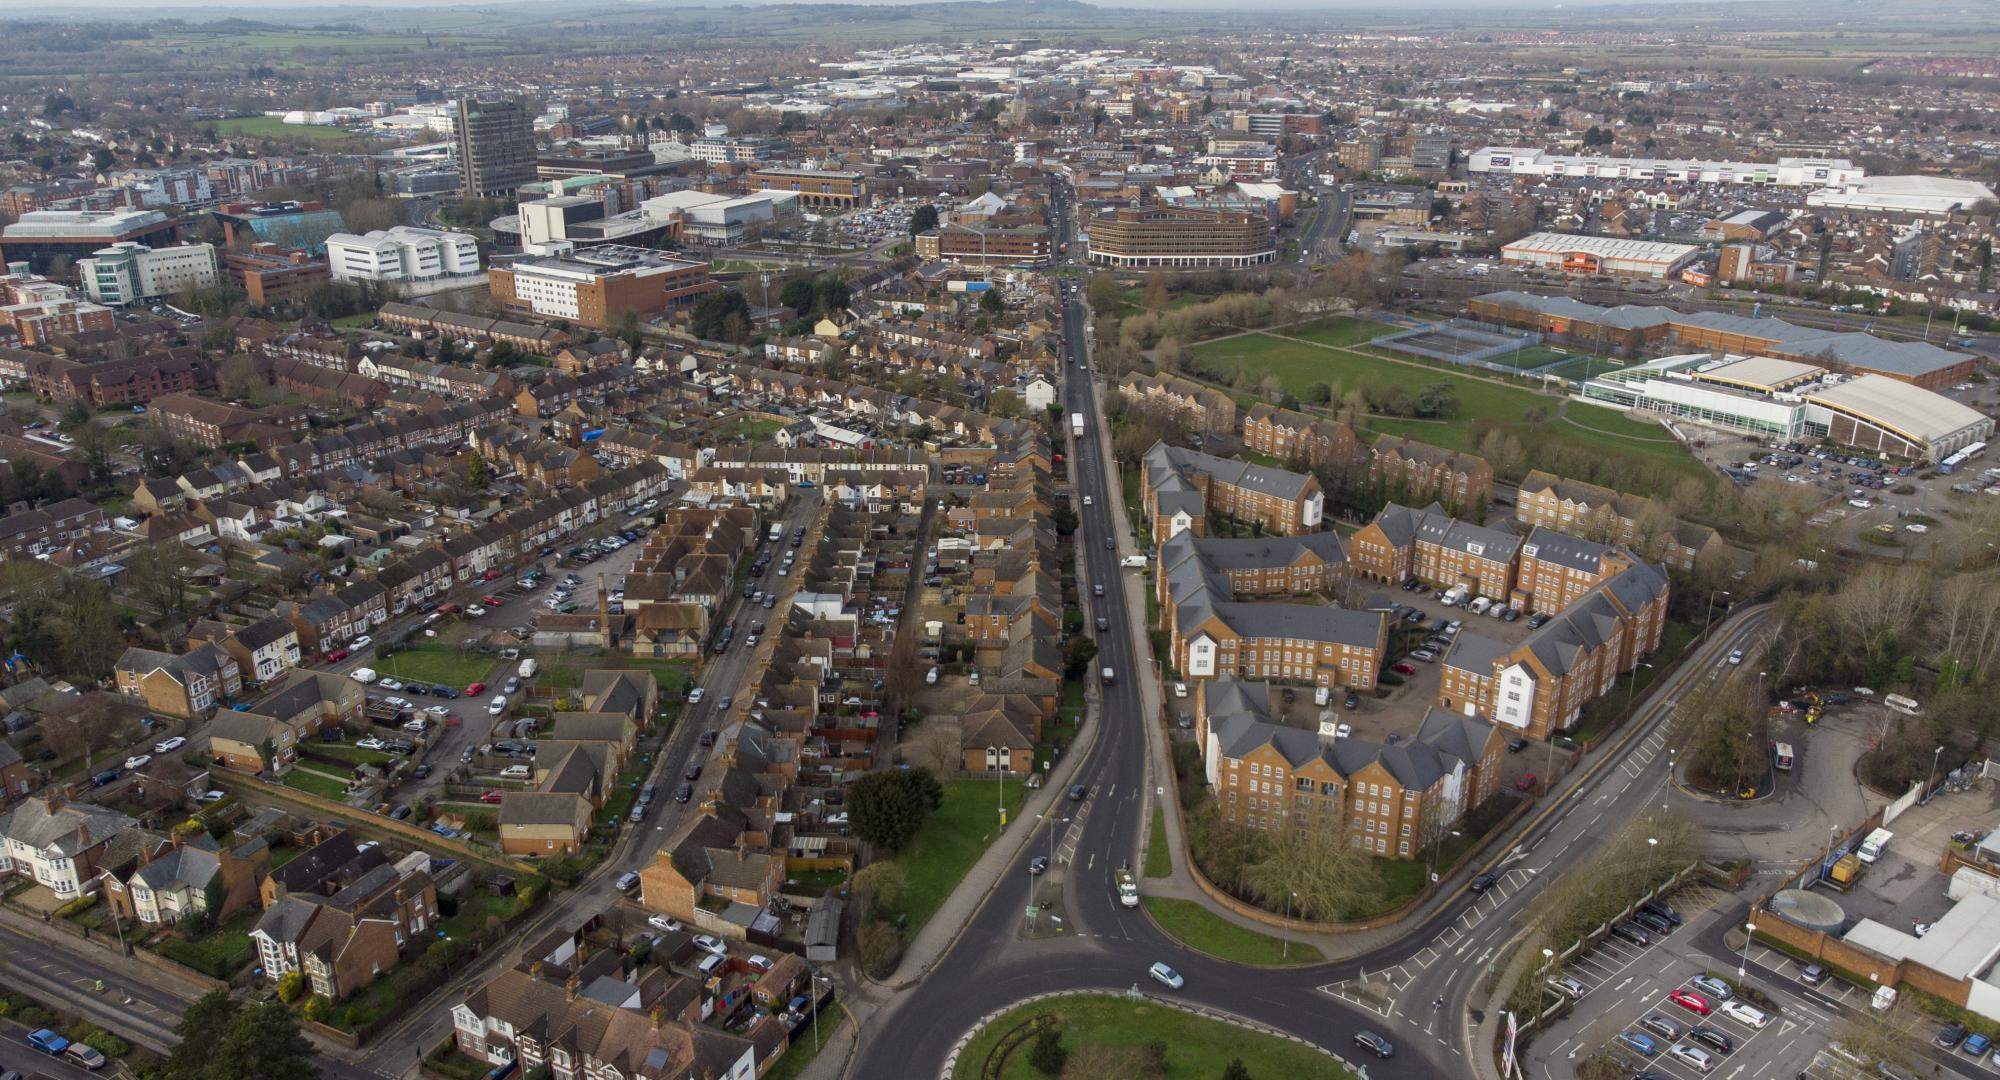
1782 753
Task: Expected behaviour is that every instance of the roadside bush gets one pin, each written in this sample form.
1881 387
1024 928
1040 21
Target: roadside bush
290 985
1048 1055
107 1044
77 906
316 1009
881 949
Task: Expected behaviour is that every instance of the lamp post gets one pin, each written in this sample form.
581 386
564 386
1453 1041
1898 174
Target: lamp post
1711 608
1743 961
1668 787
1932 778
1285 943
1632 687
1652 846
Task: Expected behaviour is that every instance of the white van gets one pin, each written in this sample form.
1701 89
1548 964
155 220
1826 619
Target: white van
516 772
1873 845
362 675
527 668
1479 605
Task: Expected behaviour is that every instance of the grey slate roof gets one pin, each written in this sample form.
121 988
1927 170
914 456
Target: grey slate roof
1475 653
1562 549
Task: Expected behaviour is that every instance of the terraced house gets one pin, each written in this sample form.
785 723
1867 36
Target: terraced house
1540 686
1437 549
1289 435
1196 407
1392 801
1182 487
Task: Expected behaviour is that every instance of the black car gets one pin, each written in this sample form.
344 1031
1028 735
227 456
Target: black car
416 688
1078 791
1813 975
1484 882
104 777
1374 1044
1660 909
1632 933
1949 1036
1516 744
443 691
693 772
1038 864
420 771
1704 1033
1110 544
1352 701
1103 624
1653 922
401 812
684 793
708 738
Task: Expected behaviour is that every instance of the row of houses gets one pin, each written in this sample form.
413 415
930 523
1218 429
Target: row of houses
1183 487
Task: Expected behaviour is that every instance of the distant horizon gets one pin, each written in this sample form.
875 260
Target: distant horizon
249 9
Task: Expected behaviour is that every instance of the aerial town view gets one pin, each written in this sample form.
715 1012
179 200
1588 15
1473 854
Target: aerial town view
999 540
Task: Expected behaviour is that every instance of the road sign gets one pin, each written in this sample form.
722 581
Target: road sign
1033 911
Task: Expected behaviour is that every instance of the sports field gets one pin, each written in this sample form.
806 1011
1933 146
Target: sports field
270 127
1583 367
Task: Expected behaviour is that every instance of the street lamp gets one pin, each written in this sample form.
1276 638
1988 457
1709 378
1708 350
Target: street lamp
1632 687
1933 776
1743 962
1711 608
1285 943
1652 846
1668 787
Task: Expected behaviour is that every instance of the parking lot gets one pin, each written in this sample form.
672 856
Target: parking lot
1626 985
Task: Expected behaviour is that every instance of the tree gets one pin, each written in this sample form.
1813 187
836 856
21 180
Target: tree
1331 880
935 744
1006 403
92 727
155 574
991 303
200 1031
887 808
290 986
1236 1070
881 947
924 219
721 316
262 1040
1048 1054
476 473
878 885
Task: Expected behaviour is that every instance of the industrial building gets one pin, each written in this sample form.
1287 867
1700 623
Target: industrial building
1786 172
1919 196
496 146
1787 400
1178 238
42 237
597 286
1638 326
721 219
1616 256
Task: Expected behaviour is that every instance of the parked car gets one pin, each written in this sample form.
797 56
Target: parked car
370 743
1660 909
1976 1045
708 943
493 797
1813 975
1640 1044
1712 986
475 689
1566 986
1403 669
1661 1026
1949 1036
138 761
1693 1057
1691 1001
1526 783
337 655
361 642
387 683
1516 744
1633 933
1715 1039
1653 922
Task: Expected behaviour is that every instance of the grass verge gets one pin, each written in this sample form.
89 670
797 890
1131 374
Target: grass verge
1159 863
1199 928
951 840
1197 1048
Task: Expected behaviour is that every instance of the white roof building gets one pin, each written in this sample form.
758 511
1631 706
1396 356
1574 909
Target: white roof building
1930 196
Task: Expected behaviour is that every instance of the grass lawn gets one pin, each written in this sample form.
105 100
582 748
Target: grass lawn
317 783
350 752
473 912
1197 1048
271 127
1675 637
802 1052
754 430
354 322
376 999
1159 863
221 954
952 839
1199 928
452 668
1341 330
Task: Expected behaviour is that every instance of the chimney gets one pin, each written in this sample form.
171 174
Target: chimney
571 986
742 846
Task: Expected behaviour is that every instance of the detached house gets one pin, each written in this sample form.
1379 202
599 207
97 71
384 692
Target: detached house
188 685
62 844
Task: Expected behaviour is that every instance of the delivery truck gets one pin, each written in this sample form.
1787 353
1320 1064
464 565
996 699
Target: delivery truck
1076 424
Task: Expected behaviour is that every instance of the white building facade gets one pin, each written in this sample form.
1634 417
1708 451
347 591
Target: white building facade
402 254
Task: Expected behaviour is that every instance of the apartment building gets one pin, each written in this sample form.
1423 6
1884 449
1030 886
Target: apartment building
1180 238
1540 686
211 423
1423 472
1182 487
1259 567
1545 500
1557 569
127 273
1436 548
1391 801
1196 407
1289 435
598 286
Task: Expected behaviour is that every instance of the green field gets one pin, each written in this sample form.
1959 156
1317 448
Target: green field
1199 928
1197 1048
1341 330
1300 365
951 840
317 783
453 669
270 127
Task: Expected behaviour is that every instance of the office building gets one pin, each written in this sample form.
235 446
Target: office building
1180 238
403 255
496 146
598 286
43 237
127 273
1616 256
290 224
269 274
817 189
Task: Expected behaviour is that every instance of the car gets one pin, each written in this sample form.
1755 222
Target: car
1661 1026
664 924
1077 792
1653 922
1691 1001
1483 882
474 689
370 743
723 705
1713 1037
1660 909
1512 614
684 793
1633 933
1516 744
386 683
497 706
437 710
105 777
1693 1057
1351 701
361 642
416 724
335 656
1814 975
512 686
416 688
628 881
693 772
1526 783
1425 655
88 1057
1735 656
1038 864
1166 976
710 944
708 738
1638 1043
1097 590
1374 1044
492 601
1713 987
1103 624
1538 620
1403 669
474 612
401 813
1744 1013
1566 986
1949 1036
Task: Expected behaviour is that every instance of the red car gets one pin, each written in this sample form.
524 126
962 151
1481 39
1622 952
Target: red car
337 655
475 689
1691 1001
449 609
1526 783
492 601
491 796
1402 669
451 721
490 575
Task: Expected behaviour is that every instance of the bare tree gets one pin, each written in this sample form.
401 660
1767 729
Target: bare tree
936 744
91 728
